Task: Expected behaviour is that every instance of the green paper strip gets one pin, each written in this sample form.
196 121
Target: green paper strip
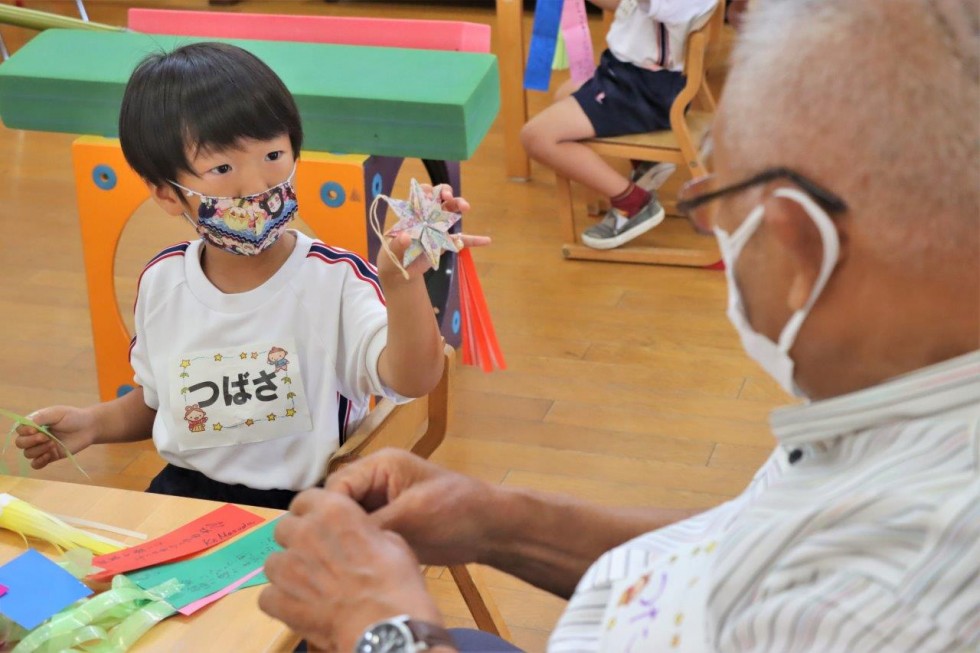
560 61
205 575
20 419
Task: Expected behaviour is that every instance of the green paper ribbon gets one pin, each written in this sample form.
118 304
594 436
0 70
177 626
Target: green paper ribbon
20 419
108 623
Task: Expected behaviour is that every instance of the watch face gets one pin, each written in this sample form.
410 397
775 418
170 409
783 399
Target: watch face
385 638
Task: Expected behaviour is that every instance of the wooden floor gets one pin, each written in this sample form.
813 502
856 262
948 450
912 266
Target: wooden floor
625 384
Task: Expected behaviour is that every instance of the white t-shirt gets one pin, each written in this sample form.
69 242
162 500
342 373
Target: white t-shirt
652 33
260 387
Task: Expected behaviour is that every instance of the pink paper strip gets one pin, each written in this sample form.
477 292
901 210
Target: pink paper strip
191 608
578 41
3 590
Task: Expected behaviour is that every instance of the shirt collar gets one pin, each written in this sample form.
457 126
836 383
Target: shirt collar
935 389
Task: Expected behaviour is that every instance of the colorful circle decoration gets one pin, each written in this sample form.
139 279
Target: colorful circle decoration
104 177
333 194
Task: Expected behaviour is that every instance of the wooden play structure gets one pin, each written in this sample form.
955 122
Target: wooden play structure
362 87
352 99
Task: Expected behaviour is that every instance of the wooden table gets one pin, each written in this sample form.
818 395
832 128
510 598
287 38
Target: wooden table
234 623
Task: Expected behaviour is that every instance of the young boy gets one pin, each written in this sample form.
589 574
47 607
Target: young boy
215 134
637 79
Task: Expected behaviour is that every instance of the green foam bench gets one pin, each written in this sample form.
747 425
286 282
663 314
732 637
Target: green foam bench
353 99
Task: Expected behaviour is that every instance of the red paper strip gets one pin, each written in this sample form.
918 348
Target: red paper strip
203 533
484 338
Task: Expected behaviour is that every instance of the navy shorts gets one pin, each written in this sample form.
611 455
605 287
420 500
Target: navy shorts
180 482
625 99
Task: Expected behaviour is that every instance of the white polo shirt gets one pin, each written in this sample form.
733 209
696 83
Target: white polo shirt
870 541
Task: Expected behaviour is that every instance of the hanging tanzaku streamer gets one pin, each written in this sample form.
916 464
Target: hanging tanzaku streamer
480 346
577 40
544 39
560 39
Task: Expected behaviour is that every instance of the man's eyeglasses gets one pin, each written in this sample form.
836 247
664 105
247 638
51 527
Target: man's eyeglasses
694 197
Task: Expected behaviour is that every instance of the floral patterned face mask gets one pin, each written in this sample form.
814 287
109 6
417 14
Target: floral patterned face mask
245 225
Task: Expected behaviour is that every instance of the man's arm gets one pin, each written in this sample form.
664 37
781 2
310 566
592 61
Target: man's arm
550 540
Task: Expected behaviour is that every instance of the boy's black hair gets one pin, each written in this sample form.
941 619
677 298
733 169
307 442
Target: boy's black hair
204 95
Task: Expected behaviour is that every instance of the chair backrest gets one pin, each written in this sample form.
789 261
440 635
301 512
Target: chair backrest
418 426
694 55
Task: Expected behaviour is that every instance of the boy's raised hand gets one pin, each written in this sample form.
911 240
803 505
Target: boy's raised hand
75 427
400 242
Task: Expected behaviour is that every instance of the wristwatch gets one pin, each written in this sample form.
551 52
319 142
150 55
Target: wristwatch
403 634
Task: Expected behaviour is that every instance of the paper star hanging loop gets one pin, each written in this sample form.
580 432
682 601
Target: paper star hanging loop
422 217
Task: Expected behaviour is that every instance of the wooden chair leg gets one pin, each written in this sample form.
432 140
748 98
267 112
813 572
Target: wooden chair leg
479 602
566 210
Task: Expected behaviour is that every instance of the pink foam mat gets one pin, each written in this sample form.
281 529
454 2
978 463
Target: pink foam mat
384 32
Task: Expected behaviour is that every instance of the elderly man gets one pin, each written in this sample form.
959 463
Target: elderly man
847 206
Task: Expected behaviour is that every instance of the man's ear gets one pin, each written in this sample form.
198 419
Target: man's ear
798 236
168 198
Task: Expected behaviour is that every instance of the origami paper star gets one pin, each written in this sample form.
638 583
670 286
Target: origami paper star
426 223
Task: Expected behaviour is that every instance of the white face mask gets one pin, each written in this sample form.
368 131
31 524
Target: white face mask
774 357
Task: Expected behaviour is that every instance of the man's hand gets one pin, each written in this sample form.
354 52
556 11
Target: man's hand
340 573
447 518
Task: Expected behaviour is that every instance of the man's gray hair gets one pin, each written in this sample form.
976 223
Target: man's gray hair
879 100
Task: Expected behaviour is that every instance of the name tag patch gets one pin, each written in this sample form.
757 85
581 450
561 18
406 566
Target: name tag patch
238 395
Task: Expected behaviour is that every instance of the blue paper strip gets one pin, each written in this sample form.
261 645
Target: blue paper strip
37 589
544 38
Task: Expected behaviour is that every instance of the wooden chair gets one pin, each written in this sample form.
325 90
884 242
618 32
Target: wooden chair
420 427
680 144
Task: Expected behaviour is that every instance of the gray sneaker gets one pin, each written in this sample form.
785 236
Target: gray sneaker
651 176
605 235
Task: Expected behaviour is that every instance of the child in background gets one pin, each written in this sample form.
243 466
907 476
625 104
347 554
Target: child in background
215 134
631 92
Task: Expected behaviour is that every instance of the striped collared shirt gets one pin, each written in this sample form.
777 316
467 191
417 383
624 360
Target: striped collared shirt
869 541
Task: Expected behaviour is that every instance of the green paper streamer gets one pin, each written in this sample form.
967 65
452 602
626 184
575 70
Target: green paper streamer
22 461
108 623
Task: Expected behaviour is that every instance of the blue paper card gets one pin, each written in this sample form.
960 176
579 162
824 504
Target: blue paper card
37 588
